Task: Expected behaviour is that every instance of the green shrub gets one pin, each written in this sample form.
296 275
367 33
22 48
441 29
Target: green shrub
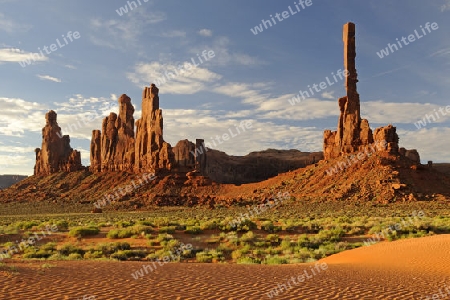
134 253
272 238
248 237
83 231
74 256
68 249
124 224
128 232
38 254
248 261
164 237
109 248
193 230
274 260
49 246
268 226
145 223
24 225
62 225
204 257
209 225
93 254
167 229
120 255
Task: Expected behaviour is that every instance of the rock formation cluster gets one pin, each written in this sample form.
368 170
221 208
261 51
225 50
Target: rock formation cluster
118 148
353 133
55 155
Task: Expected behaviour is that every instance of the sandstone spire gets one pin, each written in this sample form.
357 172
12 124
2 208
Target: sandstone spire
152 153
112 149
56 154
352 132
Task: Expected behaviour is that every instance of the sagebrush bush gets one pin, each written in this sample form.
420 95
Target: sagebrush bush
83 231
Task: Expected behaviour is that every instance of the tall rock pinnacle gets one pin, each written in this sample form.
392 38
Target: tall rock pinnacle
152 153
56 154
354 133
112 149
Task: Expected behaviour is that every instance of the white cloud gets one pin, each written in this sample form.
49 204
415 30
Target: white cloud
207 125
48 77
441 52
17 55
328 95
428 141
123 33
15 164
396 113
189 81
70 67
80 115
11 26
224 55
18 116
205 32
445 6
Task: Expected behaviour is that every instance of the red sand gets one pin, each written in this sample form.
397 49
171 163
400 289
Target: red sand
407 269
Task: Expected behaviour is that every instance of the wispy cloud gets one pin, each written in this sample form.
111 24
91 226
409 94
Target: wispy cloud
17 55
441 52
123 33
193 81
48 77
205 32
328 95
18 116
445 6
225 54
10 26
70 67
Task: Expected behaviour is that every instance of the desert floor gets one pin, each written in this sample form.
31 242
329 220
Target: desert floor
405 269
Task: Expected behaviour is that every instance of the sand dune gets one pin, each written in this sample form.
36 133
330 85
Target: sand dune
407 269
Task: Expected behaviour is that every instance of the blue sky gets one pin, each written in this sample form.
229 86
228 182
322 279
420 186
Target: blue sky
251 77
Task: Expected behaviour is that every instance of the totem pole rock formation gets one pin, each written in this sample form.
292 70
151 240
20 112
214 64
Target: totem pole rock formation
152 153
56 154
354 133
112 149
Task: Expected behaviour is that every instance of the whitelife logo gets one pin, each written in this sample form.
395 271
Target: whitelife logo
411 38
49 49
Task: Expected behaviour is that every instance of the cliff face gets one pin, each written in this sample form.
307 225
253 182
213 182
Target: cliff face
353 133
256 166
55 154
152 153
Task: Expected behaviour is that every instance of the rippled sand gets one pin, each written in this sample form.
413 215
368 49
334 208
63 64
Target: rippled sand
407 269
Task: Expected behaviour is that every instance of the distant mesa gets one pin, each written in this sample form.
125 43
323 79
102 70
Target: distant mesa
353 133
